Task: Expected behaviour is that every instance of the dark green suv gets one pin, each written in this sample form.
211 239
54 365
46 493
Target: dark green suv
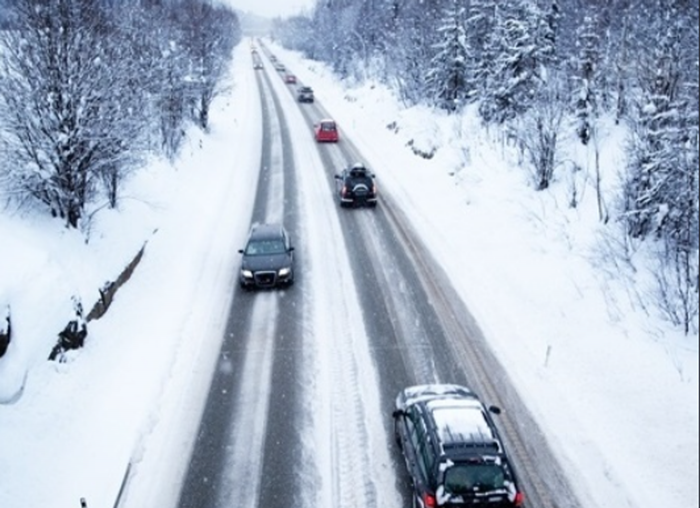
305 94
452 449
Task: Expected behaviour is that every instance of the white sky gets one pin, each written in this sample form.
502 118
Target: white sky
272 8
615 389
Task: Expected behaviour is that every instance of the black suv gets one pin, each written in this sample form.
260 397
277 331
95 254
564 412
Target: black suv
268 258
452 449
356 186
305 94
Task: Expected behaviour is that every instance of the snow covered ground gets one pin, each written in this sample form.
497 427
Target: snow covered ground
615 386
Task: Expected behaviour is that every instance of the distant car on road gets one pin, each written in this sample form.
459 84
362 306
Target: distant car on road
290 78
268 258
257 65
305 94
326 130
356 186
452 449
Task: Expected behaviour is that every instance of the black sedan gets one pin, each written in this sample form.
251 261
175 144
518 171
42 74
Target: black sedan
268 258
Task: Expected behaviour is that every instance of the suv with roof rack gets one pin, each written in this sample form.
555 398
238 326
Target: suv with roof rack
355 186
452 449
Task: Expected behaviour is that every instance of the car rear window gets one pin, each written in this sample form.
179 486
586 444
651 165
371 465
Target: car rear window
358 173
483 476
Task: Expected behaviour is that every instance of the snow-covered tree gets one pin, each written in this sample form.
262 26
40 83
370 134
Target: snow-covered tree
210 33
585 101
516 72
658 136
661 189
68 112
479 27
446 78
537 132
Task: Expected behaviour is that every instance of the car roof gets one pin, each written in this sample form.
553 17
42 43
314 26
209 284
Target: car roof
456 416
461 422
265 231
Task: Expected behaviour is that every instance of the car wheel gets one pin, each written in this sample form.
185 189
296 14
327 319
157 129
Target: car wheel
396 436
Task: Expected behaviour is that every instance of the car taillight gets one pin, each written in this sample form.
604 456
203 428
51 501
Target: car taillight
429 501
344 190
519 499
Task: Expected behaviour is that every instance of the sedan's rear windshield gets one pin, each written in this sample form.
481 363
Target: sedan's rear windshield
258 247
482 477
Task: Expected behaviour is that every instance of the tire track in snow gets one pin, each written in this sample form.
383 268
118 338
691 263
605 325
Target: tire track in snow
242 478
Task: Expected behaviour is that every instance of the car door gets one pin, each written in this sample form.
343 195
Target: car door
417 438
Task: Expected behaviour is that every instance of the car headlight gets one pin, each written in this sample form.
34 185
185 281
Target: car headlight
247 274
284 272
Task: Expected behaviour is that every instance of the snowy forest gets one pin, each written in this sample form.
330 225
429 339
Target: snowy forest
89 88
537 71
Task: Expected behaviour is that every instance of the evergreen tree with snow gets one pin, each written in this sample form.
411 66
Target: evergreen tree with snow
478 28
517 71
585 106
656 163
446 78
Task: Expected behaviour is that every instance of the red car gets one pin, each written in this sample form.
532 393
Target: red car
326 130
290 78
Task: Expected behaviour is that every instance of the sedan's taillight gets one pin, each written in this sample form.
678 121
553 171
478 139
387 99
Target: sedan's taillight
344 190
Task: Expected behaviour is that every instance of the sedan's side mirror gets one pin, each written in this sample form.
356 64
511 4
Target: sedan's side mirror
290 249
240 251
338 177
398 412
495 410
